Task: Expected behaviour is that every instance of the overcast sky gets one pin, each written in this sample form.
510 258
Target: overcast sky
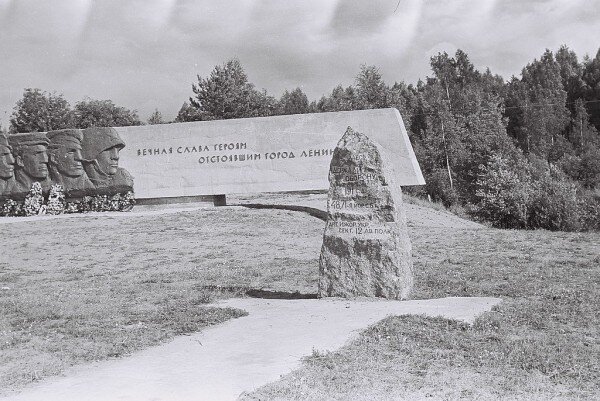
144 54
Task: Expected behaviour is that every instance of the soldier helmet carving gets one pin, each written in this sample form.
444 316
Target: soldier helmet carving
98 139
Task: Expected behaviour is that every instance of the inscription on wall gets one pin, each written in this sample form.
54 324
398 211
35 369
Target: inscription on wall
227 157
265 154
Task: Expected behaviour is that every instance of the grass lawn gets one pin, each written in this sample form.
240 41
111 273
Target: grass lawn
542 343
94 287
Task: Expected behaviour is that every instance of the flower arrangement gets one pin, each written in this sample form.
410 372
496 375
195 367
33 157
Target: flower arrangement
56 200
122 202
34 200
56 203
11 208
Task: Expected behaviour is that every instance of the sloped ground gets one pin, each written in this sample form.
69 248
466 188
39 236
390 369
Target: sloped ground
91 287
416 214
541 343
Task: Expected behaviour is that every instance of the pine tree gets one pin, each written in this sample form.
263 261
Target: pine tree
156 118
571 73
294 102
543 115
226 93
189 113
370 88
591 77
340 100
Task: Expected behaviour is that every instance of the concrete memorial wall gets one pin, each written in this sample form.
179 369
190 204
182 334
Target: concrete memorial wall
252 155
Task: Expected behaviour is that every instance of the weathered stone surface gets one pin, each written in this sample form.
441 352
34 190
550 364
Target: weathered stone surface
82 162
65 162
366 249
31 162
253 155
8 184
101 147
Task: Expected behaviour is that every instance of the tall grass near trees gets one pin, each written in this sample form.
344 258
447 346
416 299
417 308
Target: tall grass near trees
533 196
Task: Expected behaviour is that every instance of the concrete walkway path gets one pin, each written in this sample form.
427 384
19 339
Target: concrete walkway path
240 355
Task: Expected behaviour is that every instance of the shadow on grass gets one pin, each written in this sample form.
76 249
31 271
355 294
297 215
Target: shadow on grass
266 294
237 291
312 211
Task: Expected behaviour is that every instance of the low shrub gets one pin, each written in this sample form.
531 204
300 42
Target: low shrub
439 188
533 195
502 195
554 204
589 207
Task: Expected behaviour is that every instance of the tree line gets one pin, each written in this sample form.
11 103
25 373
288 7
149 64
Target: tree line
521 153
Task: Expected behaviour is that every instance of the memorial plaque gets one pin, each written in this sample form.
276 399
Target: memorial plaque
251 155
366 250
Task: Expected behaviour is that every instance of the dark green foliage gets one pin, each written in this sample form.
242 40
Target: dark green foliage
589 208
156 118
591 77
340 100
294 102
582 134
532 194
439 188
571 73
103 113
371 91
226 94
589 168
459 128
189 113
502 194
39 111
540 99
518 154
404 98
554 204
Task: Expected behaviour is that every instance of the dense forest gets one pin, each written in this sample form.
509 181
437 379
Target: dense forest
522 153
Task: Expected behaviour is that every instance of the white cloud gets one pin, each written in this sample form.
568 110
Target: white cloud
145 54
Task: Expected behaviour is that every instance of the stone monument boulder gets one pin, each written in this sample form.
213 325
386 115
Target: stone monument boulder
366 249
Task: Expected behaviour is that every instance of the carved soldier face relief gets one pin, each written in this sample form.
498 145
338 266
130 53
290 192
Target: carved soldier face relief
34 161
108 160
7 163
68 161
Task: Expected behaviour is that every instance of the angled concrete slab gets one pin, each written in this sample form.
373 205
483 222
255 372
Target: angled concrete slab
242 354
253 155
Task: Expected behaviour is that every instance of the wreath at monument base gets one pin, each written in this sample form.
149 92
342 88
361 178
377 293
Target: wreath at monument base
36 204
